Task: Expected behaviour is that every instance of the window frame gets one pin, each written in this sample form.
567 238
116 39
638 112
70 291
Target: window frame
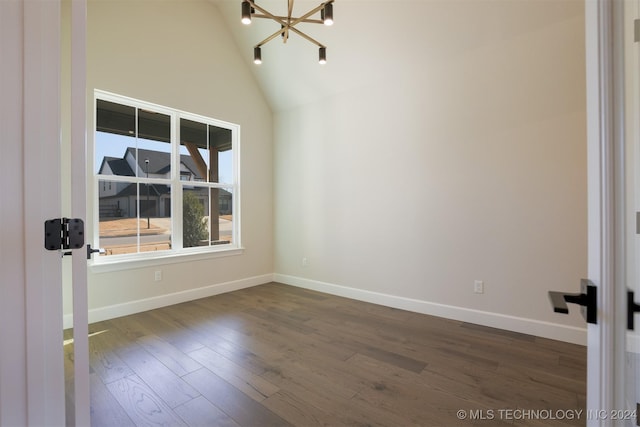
176 253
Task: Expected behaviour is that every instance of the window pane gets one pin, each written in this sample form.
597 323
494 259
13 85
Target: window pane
115 118
118 205
195 217
225 166
154 126
155 218
207 216
225 215
194 151
124 149
220 146
119 222
154 145
114 155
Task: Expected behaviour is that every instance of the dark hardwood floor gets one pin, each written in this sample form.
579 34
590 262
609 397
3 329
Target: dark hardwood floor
275 355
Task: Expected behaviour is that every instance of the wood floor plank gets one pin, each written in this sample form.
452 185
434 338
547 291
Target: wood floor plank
544 377
250 352
375 347
326 375
131 327
105 409
343 411
380 373
172 331
142 405
350 334
199 412
104 361
244 410
168 386
296 411
393 358
280 320
236 345
247 382
179 363
486 330
287 341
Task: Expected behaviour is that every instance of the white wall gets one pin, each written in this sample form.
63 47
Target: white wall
180 54
447 169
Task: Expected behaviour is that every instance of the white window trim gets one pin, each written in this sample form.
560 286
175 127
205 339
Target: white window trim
162 258
99 264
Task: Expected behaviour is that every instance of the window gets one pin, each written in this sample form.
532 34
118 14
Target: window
165 180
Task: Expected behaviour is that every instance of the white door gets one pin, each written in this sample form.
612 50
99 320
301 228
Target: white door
32 387
613 377
630 286
78 413
31 375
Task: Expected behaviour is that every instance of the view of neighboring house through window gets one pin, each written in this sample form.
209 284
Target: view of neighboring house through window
165 179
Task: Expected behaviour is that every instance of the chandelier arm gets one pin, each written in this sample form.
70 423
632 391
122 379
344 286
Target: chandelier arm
283 20
290 10
271 37
303 35
306 15
268 14
308 21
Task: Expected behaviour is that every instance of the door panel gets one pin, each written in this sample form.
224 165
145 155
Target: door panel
614 199
601 203
13 369
78 412
631 374
31 374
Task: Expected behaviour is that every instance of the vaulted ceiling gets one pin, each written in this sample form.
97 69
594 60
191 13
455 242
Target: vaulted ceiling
373 40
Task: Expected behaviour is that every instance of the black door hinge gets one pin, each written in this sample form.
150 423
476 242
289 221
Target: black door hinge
63 233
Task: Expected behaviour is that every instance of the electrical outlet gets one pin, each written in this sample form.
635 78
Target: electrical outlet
158 275
478 286
305 261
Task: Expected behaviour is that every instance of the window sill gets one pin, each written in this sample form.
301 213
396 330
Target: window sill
108 264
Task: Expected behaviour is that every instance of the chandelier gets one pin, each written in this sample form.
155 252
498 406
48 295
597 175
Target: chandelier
288 24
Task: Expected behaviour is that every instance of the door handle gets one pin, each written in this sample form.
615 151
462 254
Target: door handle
91 251
587 299
632 308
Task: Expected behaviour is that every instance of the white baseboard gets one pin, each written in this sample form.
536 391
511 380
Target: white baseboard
538 328
516 324
132 307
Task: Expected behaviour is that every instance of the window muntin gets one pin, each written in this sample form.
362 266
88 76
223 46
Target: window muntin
168 158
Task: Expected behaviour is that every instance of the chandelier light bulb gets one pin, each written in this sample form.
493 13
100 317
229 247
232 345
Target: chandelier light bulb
322 56
327 14
246 13
257 56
